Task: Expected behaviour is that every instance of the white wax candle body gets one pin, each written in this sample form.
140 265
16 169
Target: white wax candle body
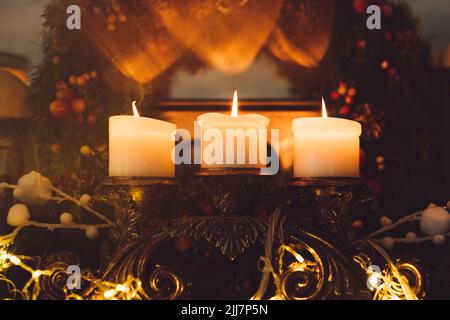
326 147
255 148
140 147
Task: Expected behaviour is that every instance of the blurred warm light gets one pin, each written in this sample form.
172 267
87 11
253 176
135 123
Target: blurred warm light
148 42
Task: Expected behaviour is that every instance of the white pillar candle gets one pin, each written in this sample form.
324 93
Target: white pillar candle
140 147
326 147
250 152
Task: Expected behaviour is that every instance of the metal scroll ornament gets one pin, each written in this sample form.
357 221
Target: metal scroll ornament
215 256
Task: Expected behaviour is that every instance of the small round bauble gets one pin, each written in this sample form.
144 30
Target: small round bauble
411 236
77 105
352 92
385 221
64 94
93 74
439 239
434 221
66 218
91 232
85 150
18 215
81 81
61 85
73 80
59 109
385 65
56 60
388 243
85 199
56 148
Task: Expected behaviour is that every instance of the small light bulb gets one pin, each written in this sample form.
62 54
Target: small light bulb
37 274
109 294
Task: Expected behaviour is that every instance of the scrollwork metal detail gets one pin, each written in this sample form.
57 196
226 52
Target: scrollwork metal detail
231 234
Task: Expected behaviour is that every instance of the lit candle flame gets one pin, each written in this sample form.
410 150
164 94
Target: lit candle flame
234 109
324 109
135 112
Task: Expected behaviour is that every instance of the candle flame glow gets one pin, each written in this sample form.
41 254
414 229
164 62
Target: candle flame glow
324 109
135 112
234 109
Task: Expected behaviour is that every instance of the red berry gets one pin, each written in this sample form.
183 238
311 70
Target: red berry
357 224
77 105
392 72
182 244
361 44
385 64
91 119
59 109
56 148
348 99
334 95
61 85
359 6
345 111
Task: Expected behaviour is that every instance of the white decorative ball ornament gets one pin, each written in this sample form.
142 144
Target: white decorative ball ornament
85 199
411 236
18 215
91 232
439 239
434 221
33 189
66 218
388 243
385 221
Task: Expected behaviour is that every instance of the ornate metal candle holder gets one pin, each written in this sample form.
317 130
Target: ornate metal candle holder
181 251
